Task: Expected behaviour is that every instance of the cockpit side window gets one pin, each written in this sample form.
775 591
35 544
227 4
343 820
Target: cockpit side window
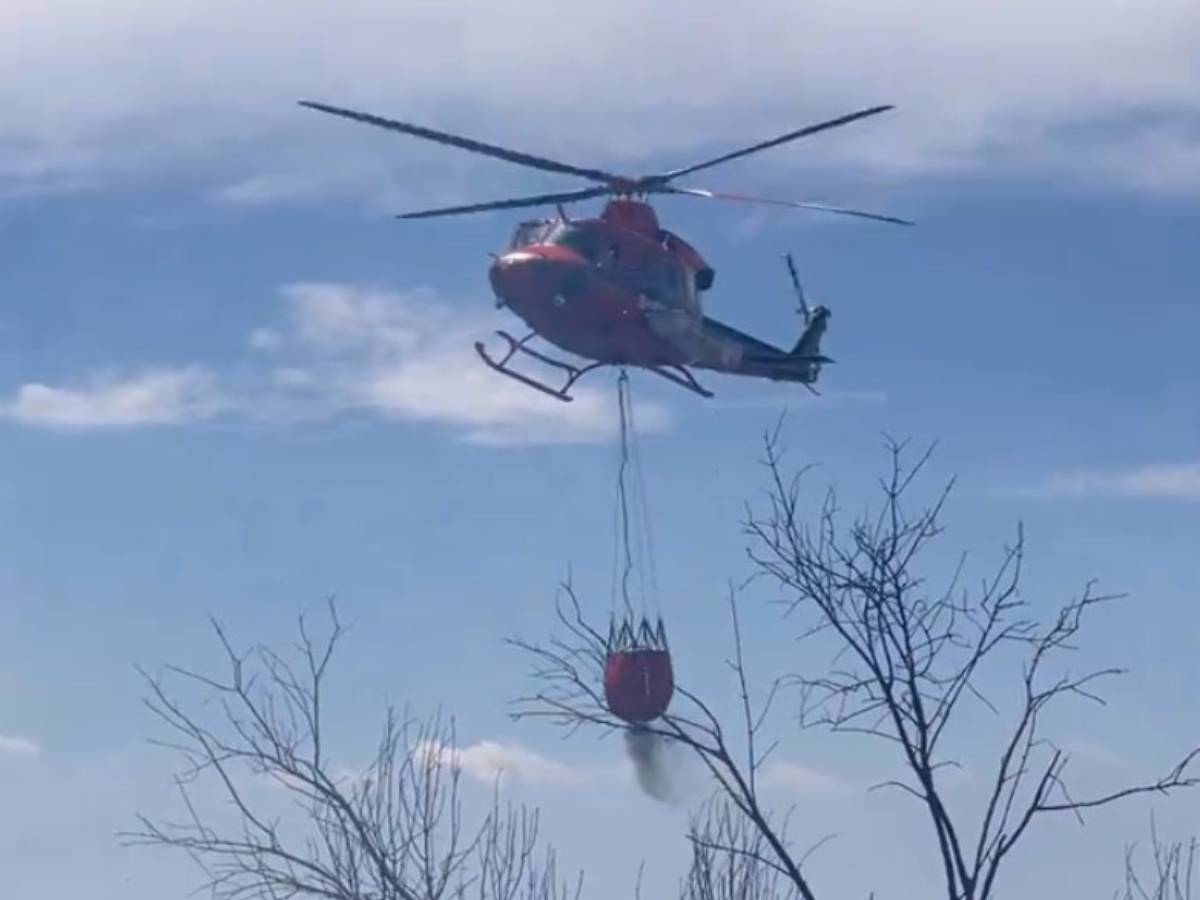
583 240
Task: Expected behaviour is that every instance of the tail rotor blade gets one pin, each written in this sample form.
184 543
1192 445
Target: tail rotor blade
796 284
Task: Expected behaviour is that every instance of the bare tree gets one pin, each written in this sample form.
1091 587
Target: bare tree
1172 875
905 661
396 830
908 657
728 860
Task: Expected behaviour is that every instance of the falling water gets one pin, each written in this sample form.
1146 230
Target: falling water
651 755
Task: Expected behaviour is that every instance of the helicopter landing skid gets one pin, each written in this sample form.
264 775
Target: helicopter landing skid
677 374
574 373
684 378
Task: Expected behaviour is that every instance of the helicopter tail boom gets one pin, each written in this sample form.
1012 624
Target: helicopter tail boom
746 355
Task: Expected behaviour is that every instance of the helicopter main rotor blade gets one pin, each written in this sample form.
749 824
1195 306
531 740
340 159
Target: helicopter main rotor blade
775 142
512 203
441 137
792 204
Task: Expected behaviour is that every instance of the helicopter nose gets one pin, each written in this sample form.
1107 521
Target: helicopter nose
524 276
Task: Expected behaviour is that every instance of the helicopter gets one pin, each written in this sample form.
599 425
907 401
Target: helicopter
618 289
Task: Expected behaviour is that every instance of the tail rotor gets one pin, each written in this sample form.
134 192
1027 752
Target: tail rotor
802 301
815 323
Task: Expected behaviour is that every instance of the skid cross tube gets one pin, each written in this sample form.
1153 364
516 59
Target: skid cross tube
677 374
684 379
574 373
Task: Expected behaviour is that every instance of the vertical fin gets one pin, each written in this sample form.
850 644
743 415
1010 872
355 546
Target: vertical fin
810 341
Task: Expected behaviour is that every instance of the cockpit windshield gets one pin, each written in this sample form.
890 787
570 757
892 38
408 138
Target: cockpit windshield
531 232
580 238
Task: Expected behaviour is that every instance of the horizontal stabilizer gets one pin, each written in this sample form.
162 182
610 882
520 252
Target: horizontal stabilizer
783 361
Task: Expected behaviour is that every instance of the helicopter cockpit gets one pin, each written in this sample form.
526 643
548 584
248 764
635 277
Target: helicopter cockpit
663 279
533 231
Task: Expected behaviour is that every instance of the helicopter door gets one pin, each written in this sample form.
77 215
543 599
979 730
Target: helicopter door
691 297
677 286
670 308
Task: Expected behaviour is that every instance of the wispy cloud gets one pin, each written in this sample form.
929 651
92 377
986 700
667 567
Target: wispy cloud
265 339
488 761
799 398
18 746
990 87
1163 481
331 316
160 397
408 356
793 778
405 356
1091 751
263 190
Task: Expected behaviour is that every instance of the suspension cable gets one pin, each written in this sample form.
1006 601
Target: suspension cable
622 493
642 502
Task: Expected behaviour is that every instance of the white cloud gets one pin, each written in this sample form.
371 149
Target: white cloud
794 778
1096 753
452 386
163 397
348 317
487 761
266 189
1065 86
1168 481
292 377
406 356
265 339
18 746
1159 159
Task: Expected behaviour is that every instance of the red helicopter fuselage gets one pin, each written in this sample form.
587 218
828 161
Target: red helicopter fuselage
617 289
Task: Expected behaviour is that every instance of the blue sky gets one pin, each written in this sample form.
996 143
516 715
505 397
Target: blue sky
230 384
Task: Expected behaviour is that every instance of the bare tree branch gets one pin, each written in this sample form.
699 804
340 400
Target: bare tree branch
907 656
569 673
393 831
906 661
733 860
1173 873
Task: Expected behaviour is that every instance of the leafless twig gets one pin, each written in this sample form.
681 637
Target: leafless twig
1173 872
907 657
568 671
393 831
